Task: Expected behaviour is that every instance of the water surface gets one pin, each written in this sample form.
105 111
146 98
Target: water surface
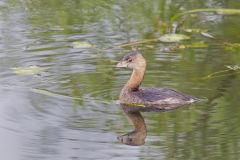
77 117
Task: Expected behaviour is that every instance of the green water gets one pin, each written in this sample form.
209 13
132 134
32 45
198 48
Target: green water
70 110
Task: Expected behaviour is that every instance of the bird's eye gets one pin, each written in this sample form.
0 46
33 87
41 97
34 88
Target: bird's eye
129 60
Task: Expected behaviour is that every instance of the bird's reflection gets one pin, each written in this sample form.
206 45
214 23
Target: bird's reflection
138 135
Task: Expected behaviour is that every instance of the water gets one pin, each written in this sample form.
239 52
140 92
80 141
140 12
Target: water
70 111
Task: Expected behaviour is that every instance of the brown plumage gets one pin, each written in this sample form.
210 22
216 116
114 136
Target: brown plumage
160 98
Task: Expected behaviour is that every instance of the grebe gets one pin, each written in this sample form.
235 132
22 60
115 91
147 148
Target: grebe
160 98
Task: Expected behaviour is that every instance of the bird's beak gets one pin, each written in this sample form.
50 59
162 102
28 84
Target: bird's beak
122 64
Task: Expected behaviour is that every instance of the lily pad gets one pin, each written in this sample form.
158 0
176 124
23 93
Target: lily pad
79 44
173 38
31 70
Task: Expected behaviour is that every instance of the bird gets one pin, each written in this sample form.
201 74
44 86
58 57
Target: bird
162 99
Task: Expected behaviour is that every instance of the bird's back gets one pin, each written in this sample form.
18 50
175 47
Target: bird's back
161 98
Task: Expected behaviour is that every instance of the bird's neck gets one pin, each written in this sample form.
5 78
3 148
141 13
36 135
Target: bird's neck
137 121
135 80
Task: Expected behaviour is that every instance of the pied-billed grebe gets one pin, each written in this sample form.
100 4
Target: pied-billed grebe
161 98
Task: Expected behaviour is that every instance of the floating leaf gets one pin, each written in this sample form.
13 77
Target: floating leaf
205 34
81 45
27 70
150 46
231 46
235 67
173 37
200 44
194 30
182 46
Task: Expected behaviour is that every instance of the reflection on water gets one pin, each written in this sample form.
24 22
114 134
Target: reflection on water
138 135
69 111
